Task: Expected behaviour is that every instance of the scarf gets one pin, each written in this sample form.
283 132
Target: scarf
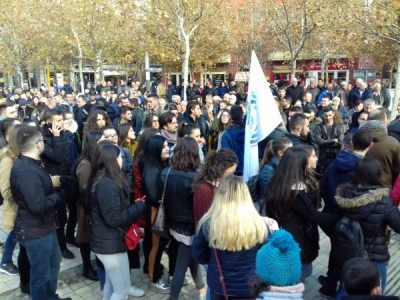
171 137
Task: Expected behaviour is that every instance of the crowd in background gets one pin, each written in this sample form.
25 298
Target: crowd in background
79 169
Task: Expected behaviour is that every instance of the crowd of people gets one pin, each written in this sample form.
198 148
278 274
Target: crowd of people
79 169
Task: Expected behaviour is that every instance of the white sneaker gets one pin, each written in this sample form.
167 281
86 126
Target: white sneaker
135 292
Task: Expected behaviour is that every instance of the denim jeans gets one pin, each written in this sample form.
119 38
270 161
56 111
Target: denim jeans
8 249
185 260
118 277
306 269
383 272
44 257
208 294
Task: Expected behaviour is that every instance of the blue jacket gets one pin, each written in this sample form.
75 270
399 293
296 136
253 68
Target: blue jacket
222 91
340 171
355 95
324 92
113 111
233 138
237 267
266 173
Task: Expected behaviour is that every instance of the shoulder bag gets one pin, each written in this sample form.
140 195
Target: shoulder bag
159 226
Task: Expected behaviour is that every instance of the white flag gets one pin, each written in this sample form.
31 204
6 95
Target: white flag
262 116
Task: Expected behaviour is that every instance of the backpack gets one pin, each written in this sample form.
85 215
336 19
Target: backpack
347 240
254 188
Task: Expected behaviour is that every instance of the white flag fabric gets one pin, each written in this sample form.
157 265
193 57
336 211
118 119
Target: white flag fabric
262 116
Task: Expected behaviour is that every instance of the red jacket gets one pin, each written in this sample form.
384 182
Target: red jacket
395 193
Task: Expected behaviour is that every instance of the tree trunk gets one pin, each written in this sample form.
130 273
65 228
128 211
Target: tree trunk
99 67
322 63
293 69
80 59
395 100
185 64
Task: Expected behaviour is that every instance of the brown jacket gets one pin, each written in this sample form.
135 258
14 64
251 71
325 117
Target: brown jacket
386 149
10 208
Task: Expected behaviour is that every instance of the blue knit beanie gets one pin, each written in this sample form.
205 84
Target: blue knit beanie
278 262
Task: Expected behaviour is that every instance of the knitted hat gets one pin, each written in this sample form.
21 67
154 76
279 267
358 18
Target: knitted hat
278 262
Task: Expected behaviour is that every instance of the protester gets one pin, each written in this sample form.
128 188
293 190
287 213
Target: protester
365 200
83 170
155 155
37 203
227 239
178 200
282 202
270 161
362 280
217 165
112 213
278 267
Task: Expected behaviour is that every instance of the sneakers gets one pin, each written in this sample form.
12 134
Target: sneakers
9 269
135 292
159 287
324 293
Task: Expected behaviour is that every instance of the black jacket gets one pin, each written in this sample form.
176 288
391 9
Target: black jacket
36 199
111 213
58 155
178 200
373 208
297 140
295 92
152 186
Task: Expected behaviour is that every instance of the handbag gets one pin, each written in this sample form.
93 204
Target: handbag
221 277
159 226
132 236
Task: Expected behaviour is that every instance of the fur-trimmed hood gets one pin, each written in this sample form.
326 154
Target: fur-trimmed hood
359 201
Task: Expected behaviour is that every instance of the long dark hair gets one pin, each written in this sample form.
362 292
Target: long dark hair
123 131
146 134
105 163
367 172
290 174
152 151
215 165
90 145
148 122
186 155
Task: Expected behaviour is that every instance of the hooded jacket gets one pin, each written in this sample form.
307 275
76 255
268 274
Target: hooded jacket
386 149
374 210
340 171
233 138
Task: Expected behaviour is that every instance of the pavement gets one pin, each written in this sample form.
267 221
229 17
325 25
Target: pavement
72 284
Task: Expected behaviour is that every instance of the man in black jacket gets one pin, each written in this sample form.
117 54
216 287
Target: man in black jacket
58 156
35 224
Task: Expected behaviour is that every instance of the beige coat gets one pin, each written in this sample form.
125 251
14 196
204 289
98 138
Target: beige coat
10 208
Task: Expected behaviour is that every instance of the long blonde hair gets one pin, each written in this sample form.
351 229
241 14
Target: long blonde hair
234 222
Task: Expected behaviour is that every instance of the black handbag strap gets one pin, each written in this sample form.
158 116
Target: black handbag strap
165 185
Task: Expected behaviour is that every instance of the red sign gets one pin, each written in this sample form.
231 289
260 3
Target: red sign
332 65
